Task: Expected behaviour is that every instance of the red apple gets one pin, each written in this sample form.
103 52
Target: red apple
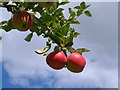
75 62
22 20
56 60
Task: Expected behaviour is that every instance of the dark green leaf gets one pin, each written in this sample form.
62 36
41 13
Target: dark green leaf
65 29
87 6
87 13
82 6
79 12
58 12
3 23
75 22
76 34
57 48
77 7
7 26
68 40
72 13
35 29
0 38
29 37
55 38
60 36
52 8
63 3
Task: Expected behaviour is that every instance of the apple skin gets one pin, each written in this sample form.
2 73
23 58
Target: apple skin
56 60
22 20
75 62
46 4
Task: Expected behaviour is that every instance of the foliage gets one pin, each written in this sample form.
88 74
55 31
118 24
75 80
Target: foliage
51 24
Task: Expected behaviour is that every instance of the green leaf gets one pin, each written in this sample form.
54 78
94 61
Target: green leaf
87 6
72 13
3 23
79 12
81 50
35 29
70 49
63 3
60 36
29 37
0 38
54 24
76 34
48 46
87 13
82 6
46 18
52 8
75 22
55 38
57 48
7 26
77 7
58 12
65 29
44 55
69 41
41 51
49 23
69 38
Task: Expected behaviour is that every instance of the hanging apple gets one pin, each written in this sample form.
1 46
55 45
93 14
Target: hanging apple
75 62
56 60
22 20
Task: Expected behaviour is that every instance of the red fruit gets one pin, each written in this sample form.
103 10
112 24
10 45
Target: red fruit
56 60
22 20
75 62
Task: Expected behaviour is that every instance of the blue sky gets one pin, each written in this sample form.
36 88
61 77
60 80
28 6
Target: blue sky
22 67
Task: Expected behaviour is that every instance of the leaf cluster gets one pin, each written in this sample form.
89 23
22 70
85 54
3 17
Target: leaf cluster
51 24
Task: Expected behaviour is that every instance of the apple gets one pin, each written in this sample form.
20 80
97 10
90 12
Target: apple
47 4
56 60
75 62
22 20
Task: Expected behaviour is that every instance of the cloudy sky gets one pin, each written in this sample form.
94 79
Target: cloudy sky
22 67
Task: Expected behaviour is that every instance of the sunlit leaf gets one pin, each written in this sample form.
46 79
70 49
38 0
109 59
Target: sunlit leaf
41 51
81 50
